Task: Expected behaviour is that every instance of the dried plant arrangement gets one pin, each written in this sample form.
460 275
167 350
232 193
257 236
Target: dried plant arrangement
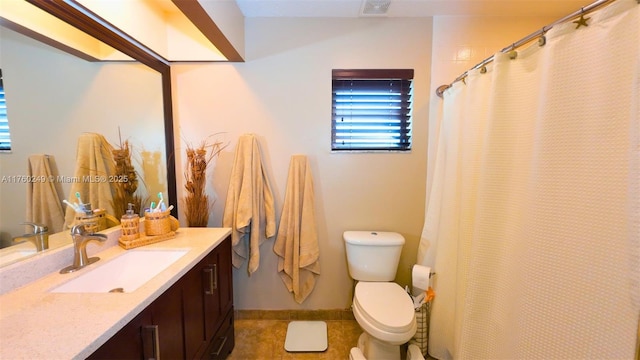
125 181
196 201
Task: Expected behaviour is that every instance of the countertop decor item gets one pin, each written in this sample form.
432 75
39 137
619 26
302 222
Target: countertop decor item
157 223
130 223
196 201
145 240
158 226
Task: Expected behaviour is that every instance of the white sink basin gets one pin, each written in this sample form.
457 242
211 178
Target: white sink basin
124 273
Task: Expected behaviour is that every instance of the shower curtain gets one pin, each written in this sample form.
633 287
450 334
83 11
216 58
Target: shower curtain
533 208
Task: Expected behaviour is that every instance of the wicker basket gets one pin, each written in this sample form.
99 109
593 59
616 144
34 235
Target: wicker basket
157 223
421 337
130 228
92 223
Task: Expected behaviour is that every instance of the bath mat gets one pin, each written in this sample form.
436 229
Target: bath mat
306 336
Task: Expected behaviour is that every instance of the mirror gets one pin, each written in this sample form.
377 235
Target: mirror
53 98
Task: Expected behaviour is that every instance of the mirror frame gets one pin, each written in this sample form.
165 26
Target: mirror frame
135 50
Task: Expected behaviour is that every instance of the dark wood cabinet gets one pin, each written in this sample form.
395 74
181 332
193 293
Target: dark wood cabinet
166 314
195 339
218 304
208 295
193 319
152 332
223 341
128 342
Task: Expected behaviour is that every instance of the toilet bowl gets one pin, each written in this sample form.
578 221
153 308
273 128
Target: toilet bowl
381 307
385 312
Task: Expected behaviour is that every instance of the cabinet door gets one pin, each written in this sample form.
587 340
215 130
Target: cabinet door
225 276
211 286
206 291
130 342
167 316
155 333
193 300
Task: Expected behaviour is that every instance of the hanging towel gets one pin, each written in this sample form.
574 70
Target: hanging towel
43 203
297 240
249 206
94 164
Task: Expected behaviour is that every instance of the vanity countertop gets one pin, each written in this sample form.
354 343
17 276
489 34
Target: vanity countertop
37 324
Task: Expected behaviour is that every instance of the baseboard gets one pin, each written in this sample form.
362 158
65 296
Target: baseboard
332 314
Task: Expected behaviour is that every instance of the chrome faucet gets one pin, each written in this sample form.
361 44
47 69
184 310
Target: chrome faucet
39 237
80 239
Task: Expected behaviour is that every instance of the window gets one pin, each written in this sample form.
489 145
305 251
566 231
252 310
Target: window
371 110
5 139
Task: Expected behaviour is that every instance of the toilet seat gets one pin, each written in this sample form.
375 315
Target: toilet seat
386 306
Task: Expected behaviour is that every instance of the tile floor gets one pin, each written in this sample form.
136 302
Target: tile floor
264 339
260 334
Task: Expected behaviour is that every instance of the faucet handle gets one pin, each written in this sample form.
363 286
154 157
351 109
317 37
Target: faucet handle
78 229
37 228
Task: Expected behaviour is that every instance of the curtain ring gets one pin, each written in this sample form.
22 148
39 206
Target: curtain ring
513 53
483 70
542 40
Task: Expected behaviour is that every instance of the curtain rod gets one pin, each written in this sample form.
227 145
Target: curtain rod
585 10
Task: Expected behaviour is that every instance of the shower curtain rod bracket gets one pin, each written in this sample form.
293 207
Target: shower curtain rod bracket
442 88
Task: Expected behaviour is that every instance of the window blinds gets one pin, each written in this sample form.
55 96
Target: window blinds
371 110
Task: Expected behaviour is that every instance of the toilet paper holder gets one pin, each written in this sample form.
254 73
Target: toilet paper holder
431 273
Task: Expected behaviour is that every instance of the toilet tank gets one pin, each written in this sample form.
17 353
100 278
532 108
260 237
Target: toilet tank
373 255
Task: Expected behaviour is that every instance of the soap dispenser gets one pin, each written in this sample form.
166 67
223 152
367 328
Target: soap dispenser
130 223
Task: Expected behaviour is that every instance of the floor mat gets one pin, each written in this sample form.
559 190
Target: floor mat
306 336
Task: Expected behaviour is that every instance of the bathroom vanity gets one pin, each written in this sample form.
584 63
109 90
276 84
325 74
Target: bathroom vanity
185 311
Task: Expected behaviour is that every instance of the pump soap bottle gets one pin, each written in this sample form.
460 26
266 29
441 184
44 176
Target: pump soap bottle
130 223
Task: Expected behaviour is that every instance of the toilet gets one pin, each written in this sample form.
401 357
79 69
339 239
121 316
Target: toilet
381 307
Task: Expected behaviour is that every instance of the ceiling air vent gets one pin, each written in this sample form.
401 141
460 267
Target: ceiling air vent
375 7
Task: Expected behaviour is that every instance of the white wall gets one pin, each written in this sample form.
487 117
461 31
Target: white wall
461 42
282 93
53 97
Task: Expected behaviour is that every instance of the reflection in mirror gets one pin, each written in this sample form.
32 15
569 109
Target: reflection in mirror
53 98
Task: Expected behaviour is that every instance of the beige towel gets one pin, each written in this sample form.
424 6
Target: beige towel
249 206
94 164
43 203
297 240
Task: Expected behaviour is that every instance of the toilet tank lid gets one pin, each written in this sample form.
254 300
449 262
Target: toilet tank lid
380 238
